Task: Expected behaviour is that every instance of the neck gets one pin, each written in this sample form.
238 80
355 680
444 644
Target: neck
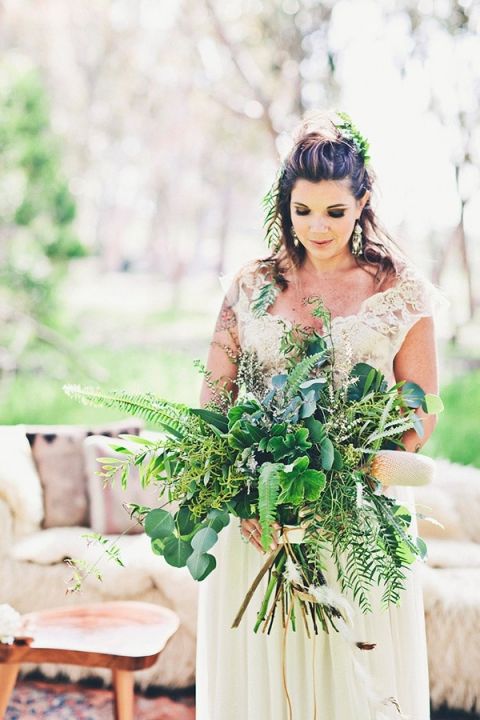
330 267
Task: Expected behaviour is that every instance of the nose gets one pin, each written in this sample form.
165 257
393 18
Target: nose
319 225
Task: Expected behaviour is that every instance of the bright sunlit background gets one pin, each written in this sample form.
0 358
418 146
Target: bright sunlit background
137 139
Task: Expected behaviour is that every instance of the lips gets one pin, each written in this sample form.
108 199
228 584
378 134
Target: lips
321 242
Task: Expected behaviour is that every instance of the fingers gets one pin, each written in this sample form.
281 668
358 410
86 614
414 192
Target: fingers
252 531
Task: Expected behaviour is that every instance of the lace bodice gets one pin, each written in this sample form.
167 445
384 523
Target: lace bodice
373 335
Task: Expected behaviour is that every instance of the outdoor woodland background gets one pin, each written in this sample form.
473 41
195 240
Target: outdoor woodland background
137 139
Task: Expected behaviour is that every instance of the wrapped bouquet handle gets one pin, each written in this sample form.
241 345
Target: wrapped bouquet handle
396 467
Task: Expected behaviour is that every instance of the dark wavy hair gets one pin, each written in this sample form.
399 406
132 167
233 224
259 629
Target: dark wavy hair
321 152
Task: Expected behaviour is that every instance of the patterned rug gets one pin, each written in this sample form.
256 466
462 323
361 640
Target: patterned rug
62 701
38 699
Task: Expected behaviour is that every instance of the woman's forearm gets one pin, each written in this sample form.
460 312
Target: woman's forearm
412 441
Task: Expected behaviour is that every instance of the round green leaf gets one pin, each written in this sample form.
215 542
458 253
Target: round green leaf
185 521
176 552
158 546
315 429
218 519
422 547
337 460
412 394
327 453
204 539
159 523
432 404
201 565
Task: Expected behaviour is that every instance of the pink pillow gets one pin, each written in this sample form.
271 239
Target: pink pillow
57 451
108 514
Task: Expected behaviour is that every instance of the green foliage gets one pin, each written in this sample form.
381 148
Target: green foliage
38 208
303 371
268 489
456 434
264 299
272 222
299 455
174 418
351 132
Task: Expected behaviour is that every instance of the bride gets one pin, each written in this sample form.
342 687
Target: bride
329 244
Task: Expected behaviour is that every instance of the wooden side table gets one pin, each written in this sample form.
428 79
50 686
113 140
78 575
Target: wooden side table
123 636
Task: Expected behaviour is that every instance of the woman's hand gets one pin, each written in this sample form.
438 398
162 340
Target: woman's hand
251 530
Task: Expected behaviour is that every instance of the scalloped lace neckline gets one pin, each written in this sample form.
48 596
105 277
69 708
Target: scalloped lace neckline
361 310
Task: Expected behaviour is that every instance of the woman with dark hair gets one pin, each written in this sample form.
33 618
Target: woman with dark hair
328 244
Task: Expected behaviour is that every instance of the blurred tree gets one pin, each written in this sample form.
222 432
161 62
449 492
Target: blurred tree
36 214
451 28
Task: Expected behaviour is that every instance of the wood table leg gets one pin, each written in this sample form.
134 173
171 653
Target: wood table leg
123 694
8 678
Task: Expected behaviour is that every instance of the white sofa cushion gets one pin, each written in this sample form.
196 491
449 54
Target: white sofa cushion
19 481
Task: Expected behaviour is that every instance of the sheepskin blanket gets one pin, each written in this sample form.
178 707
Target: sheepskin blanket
451 584
19 482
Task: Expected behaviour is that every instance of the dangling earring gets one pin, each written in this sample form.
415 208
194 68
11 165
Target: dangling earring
357 245
296 241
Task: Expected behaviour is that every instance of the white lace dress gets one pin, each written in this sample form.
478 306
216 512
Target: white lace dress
239 673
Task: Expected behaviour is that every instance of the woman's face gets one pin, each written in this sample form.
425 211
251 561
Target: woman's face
323 215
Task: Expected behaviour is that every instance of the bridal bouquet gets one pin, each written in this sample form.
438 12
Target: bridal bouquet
307 453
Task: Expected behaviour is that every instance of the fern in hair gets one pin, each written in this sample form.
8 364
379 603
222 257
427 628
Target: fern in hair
272 221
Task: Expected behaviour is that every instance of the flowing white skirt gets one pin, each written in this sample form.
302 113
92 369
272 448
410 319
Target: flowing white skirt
239 673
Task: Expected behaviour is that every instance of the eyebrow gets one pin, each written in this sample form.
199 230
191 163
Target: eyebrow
328 208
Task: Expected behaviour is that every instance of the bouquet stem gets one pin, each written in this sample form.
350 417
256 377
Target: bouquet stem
264 569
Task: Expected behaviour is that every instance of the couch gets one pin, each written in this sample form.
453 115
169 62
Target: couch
451 584
38 531
50 497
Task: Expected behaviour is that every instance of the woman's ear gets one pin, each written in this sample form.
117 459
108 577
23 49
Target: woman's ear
363 200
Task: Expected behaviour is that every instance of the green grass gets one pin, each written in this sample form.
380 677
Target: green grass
457 434
37 398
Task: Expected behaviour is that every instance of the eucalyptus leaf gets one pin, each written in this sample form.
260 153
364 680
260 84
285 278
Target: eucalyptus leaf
315 429
204 539
309 405
327 453
218 519
185 521
200 565
177 551
422 547
157 546
337 460
412 394
159 524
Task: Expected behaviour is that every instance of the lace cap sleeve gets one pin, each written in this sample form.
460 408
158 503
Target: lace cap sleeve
241 288
414 296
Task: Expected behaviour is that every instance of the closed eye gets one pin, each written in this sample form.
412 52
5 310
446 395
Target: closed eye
332 213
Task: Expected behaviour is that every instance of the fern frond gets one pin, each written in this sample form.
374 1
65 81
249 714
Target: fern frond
302 372
264 299
268 489
272 221
172 417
